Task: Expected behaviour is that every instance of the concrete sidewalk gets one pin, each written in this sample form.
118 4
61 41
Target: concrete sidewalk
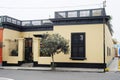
27 68
114 65
56 69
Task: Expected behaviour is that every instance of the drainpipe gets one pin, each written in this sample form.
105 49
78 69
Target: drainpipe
104 5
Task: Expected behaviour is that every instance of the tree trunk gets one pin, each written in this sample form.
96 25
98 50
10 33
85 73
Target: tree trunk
53 65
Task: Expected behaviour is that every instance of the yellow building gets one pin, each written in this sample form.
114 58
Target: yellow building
88 31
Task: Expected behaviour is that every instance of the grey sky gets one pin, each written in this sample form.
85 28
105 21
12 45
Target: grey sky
44 9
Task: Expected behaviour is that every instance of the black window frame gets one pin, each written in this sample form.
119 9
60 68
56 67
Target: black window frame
78 44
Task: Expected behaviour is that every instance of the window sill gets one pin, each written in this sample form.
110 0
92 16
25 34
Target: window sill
78 58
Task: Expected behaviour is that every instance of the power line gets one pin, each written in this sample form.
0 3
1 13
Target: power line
86 5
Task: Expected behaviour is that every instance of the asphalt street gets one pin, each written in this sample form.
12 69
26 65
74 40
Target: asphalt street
57 75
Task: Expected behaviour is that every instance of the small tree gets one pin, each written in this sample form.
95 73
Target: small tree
53 44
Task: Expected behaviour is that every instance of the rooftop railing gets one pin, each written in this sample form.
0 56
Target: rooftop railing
25 23
36 22
60 14
80 13
10 20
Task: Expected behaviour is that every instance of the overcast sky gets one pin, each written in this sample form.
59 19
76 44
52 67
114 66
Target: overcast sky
44 9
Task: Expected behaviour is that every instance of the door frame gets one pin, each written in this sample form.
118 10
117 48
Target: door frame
28 50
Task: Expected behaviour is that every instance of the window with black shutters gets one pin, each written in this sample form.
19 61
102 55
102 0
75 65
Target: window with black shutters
78 46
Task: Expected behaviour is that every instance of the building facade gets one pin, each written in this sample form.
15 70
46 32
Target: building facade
88 31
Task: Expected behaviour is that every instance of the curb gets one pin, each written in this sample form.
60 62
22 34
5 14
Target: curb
56 69
25 68
34 69
79 70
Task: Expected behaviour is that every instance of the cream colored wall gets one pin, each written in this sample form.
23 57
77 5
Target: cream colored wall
36 53
9 35
44 60
108 43
31 33
36 46
21 49
94 42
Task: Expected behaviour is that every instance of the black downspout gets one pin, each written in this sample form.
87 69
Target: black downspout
104 37
104 45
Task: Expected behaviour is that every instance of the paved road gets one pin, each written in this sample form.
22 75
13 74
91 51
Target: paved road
57 75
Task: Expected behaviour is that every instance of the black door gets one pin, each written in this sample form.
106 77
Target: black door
28 50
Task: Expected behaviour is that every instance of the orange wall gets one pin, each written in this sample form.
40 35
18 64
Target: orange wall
1 40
